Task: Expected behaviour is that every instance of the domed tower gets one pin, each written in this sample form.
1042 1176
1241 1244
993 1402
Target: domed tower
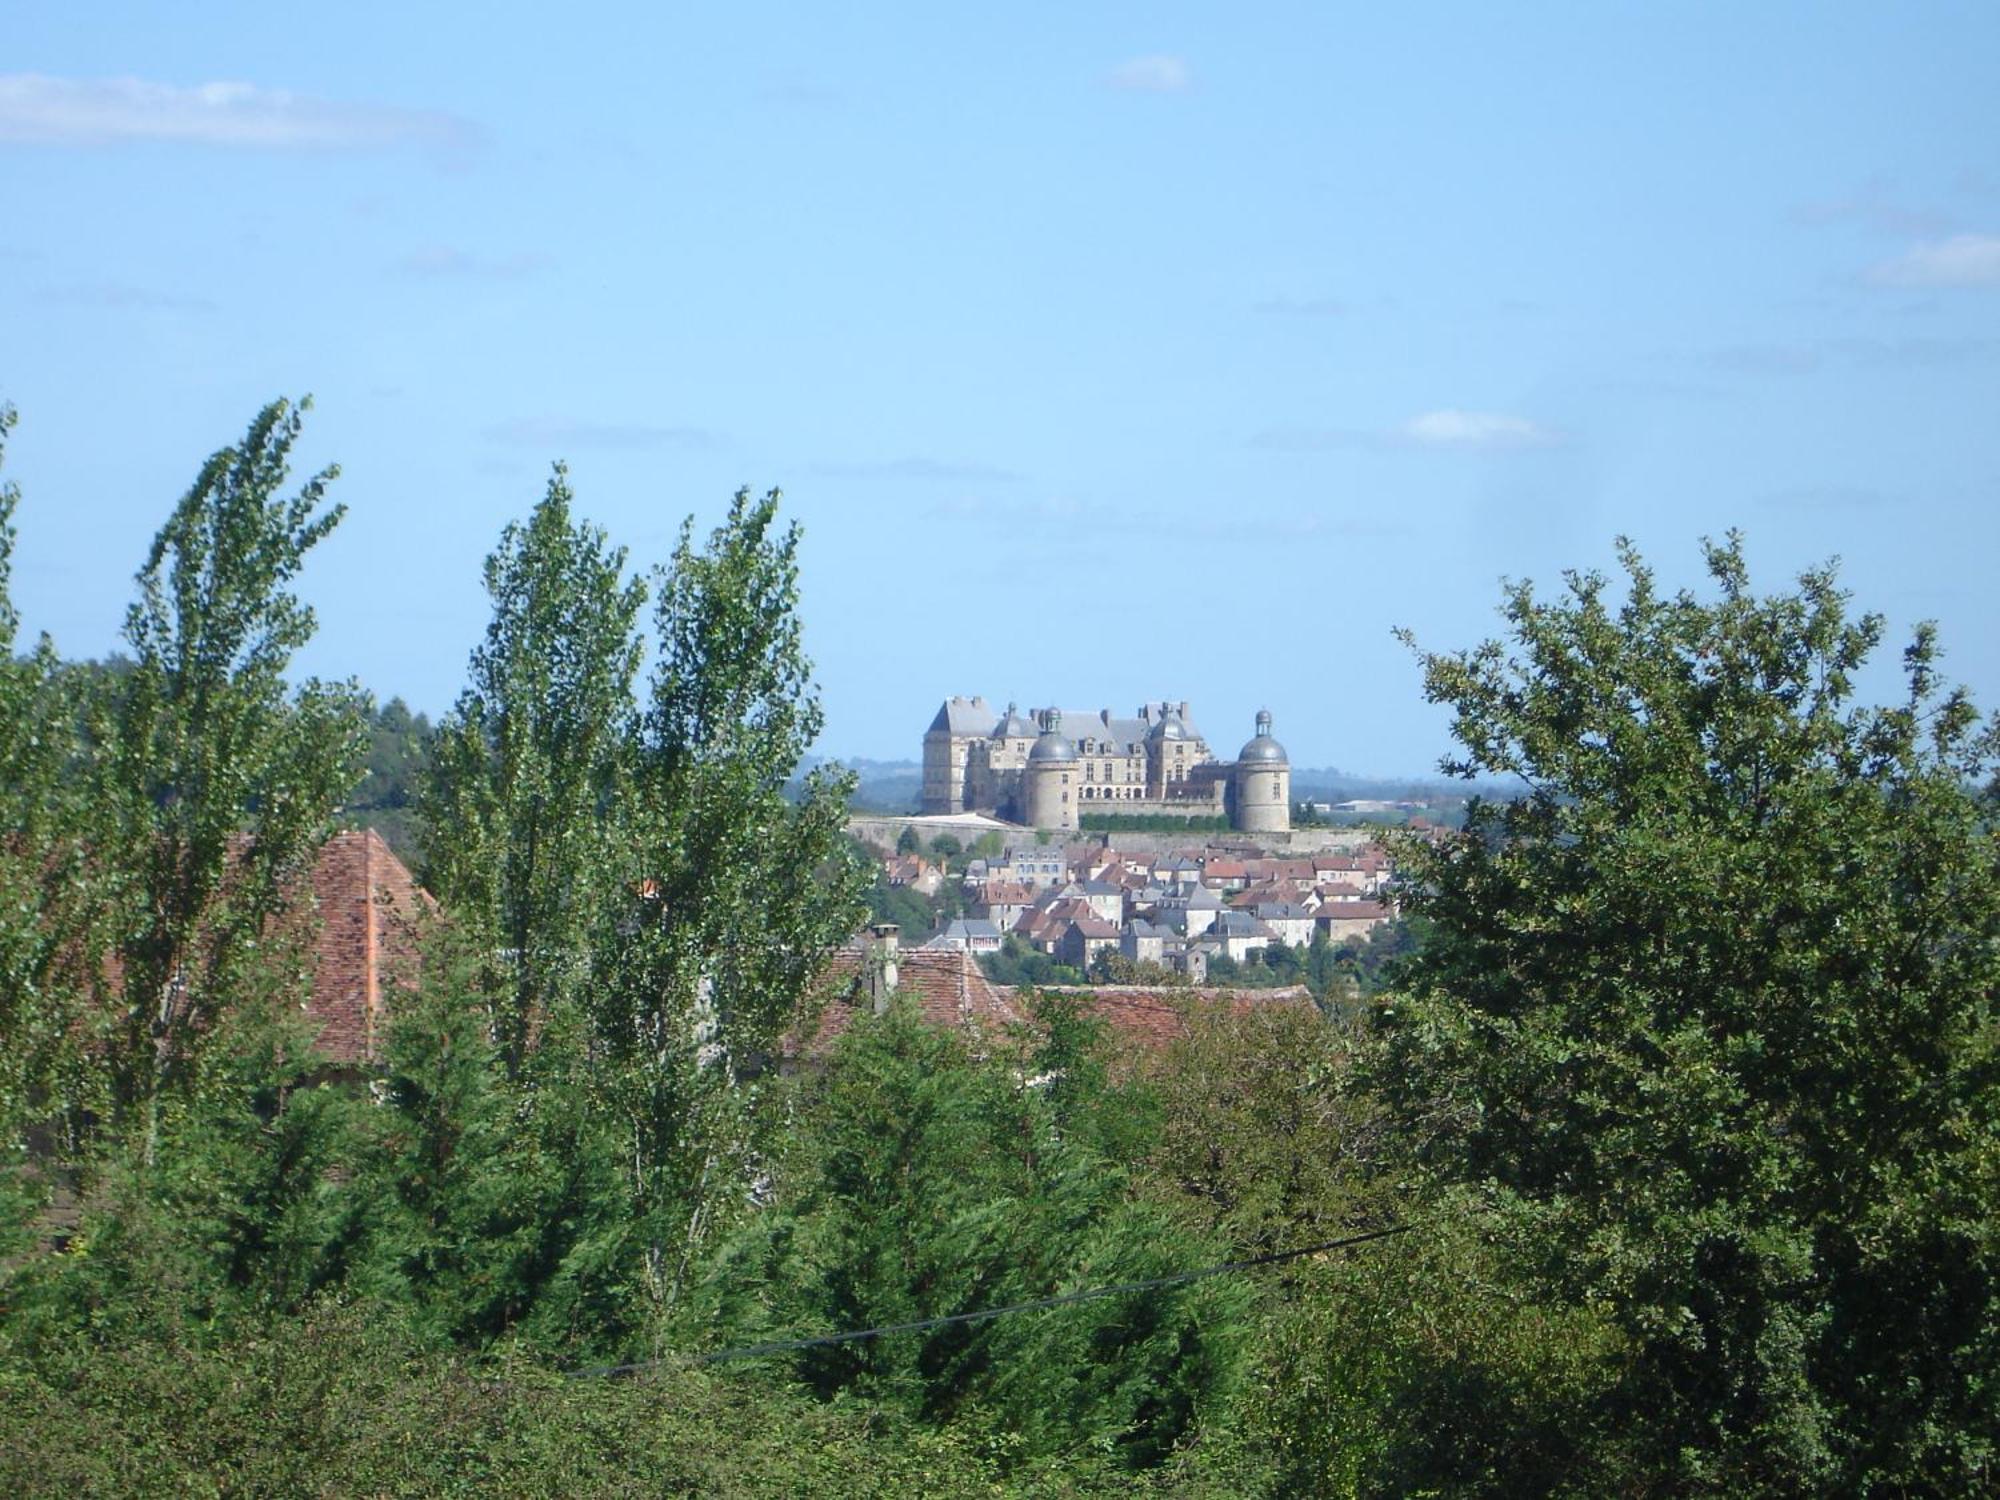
1263 783
1167 751
1052 768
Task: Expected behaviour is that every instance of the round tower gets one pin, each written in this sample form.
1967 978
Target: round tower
1051 776
1263 783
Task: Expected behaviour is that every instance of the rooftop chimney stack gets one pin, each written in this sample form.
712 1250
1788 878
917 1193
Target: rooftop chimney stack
882 963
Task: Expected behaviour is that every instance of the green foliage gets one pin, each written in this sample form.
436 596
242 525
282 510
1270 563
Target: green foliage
1167 823
1255 972
1705 1019
1256 1137
1017 963
909 841
229 1213
1418 1366
399 747
502 1205
340 1402
1340 976
1112 967
49 908
218 782
907 908
527 803
927 1182
744 891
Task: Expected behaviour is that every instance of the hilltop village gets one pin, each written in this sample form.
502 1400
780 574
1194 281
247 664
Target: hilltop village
1174 915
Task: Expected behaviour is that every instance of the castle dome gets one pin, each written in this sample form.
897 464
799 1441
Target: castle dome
1013 726
1052 746
1168 726
1263 750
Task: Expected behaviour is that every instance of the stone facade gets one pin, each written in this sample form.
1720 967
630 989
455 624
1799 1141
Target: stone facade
1052 767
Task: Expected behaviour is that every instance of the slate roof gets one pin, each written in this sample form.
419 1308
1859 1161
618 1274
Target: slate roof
966 930
1238 924
1266 911
966 716
1091 926
1354 911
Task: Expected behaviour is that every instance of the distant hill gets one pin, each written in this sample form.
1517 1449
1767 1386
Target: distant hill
886 786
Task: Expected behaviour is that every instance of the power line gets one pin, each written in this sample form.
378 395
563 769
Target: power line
783 1346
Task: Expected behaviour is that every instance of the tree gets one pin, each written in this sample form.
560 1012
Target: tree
220 779
47 899
1704 1025
526 801
743 892
925 1182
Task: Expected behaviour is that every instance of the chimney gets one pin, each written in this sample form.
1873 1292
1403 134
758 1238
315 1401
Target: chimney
882 963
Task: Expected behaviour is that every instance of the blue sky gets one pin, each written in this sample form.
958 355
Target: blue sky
1106 352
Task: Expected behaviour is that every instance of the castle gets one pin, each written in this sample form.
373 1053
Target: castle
1052 768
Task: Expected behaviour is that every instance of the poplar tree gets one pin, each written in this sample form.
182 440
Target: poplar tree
46 895
1704 1030
528 799
220 779
744 889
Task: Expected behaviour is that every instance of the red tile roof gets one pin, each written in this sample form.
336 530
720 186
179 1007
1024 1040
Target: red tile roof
360 925
367 905
947 985
1152 1018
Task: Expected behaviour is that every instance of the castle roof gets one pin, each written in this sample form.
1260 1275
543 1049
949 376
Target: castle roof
965 716
1262 750
1014 725
1053 745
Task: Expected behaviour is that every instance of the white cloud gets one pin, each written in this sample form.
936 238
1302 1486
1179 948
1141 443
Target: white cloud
1156 73
1451 428
1957 260
43 111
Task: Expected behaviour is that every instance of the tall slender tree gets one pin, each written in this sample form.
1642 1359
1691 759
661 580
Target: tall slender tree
745 889
221 778
46 896
527 798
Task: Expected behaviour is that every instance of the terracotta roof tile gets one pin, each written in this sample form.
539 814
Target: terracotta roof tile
948 986
1152 1019
367 904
